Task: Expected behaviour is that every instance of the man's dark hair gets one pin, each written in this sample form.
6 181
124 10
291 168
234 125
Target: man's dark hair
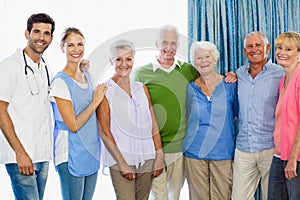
40 18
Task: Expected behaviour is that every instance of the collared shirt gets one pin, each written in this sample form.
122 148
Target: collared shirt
157 65
210 129
168 94
30 114
257 100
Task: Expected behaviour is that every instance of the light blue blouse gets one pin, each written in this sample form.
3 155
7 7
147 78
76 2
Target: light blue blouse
210 130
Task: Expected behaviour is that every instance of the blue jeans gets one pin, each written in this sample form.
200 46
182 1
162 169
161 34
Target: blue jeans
73 187
28 187
281 188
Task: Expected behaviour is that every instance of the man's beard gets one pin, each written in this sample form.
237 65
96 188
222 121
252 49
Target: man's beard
37 49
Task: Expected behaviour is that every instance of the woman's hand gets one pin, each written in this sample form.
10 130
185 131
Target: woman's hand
158 165
84 65
99 93
290 170
127 172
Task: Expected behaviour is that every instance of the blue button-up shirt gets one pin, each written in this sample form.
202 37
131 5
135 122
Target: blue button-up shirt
210 131
257 100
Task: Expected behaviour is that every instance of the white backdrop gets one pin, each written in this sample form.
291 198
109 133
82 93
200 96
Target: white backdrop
100 21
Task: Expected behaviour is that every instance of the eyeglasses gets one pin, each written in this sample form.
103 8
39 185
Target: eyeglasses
31 79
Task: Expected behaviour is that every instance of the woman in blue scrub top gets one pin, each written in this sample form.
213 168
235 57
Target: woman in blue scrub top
76 138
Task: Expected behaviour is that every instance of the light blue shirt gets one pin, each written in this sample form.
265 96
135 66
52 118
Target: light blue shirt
84 145
257 100
210 131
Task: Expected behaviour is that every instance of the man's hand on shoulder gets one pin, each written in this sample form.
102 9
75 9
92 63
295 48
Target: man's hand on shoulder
230 77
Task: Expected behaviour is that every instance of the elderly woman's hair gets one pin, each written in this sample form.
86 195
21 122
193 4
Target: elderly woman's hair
120 44
167 27
68 31
205 45
292 36
262 36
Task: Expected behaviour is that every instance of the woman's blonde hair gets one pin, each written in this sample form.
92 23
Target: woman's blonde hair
292 36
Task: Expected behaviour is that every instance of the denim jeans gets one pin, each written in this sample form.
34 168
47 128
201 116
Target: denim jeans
76 188
28 187
281 188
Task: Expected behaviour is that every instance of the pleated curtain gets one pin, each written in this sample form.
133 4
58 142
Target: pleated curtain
227 22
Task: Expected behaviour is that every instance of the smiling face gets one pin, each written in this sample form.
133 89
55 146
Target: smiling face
204 61
123 62
167 45
73 47
39 38
256 50
287 54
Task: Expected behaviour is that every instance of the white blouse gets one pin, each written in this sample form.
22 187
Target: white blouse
130 124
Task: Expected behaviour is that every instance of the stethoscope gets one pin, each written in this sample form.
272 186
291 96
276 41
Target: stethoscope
32 91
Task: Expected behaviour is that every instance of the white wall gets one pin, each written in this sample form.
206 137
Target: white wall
101 21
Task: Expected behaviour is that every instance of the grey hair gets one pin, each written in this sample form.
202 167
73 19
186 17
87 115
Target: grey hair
262 36
120 44
167 27
205 45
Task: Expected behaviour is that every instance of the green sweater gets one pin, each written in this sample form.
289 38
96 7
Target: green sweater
168 93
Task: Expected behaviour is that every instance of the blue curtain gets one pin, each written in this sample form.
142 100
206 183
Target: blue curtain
227 22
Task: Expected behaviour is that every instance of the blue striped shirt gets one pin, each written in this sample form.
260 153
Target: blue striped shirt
257 100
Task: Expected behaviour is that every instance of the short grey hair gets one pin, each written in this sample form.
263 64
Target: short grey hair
205 45
262 36
167 27
120 44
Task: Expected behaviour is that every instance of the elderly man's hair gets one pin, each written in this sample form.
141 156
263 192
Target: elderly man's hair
167 27
262 36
